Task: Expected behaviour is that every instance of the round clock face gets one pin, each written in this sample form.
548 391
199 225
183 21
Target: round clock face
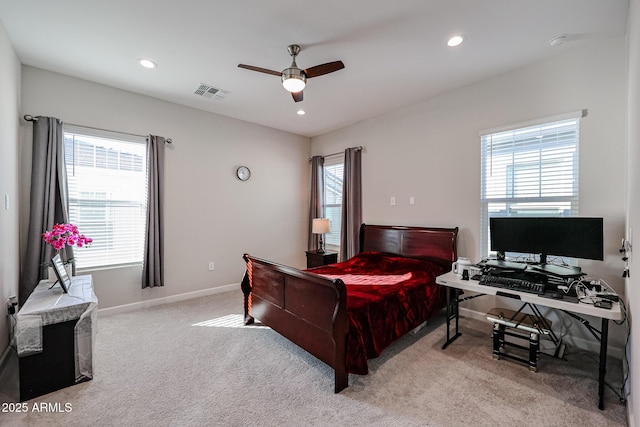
243 173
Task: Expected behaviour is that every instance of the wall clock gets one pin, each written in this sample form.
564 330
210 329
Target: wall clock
243 173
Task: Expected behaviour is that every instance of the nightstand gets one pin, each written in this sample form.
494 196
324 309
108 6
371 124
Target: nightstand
316 259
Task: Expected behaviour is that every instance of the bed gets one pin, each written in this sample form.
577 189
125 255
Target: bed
349 312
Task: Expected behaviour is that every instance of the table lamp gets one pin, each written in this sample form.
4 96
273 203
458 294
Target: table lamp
321 226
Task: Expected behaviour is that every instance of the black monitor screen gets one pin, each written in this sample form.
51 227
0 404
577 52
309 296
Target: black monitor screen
575 237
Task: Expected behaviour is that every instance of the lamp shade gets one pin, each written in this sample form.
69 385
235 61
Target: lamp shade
321 226
293 79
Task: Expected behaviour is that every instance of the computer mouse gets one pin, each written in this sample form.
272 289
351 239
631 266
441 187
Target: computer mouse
557 295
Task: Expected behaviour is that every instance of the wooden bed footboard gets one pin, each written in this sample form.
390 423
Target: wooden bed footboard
311 311
305 308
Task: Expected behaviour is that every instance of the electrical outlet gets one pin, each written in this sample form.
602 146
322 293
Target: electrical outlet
212 266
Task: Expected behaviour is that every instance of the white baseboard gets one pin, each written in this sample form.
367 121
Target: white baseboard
110 311
591 346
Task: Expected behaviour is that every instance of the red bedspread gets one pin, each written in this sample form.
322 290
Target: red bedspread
380 311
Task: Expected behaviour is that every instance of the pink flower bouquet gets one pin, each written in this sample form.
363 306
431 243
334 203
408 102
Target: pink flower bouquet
63 235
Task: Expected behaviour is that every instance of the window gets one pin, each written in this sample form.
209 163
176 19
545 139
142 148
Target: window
107 179
529 171
333 176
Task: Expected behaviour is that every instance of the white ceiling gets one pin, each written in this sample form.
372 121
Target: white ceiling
395 52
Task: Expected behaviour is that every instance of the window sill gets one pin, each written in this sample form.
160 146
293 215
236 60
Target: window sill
106 267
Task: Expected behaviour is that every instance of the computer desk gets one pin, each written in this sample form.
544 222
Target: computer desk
455 284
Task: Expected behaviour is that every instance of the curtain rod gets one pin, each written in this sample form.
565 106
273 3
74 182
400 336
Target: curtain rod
340 152
30 118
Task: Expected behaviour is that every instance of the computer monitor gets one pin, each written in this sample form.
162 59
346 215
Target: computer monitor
574 237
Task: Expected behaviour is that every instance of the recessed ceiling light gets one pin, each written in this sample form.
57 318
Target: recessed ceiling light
455 41
147 63
301 112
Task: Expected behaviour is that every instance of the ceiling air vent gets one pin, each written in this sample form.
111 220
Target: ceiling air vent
210 92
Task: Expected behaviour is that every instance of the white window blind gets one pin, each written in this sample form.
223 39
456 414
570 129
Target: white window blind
529 171
107 178
333 178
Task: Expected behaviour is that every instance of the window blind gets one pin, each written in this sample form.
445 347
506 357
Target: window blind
529 171
333 178
107 180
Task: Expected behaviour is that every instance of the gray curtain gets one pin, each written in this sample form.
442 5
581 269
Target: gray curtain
316 208
351 203
49 203
153 263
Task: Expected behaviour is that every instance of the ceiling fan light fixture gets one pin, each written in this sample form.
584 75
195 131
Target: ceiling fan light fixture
293 80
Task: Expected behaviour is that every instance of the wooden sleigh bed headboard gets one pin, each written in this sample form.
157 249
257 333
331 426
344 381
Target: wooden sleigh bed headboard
310 310
435 244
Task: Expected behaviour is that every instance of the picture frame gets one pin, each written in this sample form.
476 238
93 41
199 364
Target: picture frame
61 272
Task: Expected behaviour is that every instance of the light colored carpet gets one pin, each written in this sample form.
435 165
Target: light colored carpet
191 364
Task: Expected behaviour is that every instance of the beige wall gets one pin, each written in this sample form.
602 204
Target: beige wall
210 214
9 223
431 151
633 191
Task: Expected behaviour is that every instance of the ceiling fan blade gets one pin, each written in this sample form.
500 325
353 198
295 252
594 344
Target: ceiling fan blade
297 96
260 70
320 70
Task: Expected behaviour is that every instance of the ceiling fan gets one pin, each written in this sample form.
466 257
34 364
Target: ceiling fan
293 78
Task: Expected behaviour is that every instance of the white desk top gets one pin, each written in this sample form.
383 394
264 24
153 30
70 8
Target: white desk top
453 281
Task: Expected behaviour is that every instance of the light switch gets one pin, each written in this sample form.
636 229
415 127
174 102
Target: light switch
6 202
393 201
412 200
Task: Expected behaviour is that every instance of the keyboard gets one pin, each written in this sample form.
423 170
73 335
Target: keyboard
515 284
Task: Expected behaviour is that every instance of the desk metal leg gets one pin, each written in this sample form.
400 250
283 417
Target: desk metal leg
604 338
452 312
